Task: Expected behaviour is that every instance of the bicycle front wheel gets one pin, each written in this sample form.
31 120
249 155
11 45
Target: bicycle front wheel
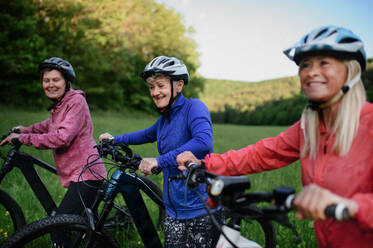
74 228
11 215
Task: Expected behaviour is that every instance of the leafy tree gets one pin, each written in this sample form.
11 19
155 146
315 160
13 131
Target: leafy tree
108 43
21 48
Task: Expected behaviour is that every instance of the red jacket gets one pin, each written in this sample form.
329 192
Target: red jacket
350 176
68 132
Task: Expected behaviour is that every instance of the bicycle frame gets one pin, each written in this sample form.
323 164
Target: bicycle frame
129 185
26 163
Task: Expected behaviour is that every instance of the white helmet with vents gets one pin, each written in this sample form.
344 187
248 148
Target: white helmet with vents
169 66
337 41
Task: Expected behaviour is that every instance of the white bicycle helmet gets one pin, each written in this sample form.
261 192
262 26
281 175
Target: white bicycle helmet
169 66
337 41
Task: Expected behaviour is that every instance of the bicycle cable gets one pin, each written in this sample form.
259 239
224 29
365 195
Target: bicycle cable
213 219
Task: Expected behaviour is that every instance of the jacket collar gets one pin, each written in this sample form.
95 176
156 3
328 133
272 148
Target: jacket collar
179 103
69 94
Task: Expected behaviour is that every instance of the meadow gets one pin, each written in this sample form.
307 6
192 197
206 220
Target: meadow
226 137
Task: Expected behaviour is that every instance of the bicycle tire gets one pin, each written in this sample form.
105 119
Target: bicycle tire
13 210
37 234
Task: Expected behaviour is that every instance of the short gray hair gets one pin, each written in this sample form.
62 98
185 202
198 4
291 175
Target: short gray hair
157 75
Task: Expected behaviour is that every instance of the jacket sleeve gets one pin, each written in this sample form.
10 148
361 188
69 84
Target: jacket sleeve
147 135
41 127
68 128
266 154
364 215
201 142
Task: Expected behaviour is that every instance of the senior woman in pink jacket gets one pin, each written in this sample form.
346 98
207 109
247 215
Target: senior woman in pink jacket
68 132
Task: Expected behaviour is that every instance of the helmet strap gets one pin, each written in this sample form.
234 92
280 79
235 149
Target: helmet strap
321 105
172 100
54 102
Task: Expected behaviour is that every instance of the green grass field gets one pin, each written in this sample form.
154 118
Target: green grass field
225 137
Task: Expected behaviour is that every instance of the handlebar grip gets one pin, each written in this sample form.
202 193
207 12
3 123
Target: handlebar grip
337 211
16 142
289 202
119 157
156 170
188 164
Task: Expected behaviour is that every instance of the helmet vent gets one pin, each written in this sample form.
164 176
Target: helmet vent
320 33
162 61
305 39
335 31
170 63
348 40
152 63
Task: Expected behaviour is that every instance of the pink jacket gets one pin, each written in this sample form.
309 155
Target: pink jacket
68 132
350 176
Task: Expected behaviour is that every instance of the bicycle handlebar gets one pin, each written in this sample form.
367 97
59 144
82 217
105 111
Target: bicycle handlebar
105 148
15 141
156 170
230 189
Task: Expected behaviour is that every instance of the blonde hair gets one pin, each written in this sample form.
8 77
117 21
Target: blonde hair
347 121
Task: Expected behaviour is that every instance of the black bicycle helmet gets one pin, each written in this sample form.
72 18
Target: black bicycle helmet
61 65
169 66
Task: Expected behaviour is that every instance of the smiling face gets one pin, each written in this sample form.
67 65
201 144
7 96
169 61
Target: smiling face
53 84
322 77
160 90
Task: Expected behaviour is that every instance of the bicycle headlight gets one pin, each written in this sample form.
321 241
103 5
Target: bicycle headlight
217 187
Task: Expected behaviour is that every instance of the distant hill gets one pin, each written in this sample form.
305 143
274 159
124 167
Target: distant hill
269 102
246 95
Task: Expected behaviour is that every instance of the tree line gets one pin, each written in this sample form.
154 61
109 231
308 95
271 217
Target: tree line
269 102
107 42
110 42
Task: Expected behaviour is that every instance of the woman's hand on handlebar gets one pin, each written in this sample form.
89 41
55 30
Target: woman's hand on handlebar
10 139
107 136
183 158
147 164
312 201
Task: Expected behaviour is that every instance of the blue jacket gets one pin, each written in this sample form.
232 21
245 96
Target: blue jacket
187 127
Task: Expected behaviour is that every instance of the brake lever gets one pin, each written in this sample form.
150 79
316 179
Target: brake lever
283 220
127 150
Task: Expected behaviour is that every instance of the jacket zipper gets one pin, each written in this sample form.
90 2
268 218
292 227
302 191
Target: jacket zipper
323 161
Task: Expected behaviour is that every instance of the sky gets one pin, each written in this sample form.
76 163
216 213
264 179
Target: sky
244 39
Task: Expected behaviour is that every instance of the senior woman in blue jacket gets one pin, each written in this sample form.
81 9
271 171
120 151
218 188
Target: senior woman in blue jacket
184 125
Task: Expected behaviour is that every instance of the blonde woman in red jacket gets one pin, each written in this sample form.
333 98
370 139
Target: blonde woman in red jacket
333 139
69 133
